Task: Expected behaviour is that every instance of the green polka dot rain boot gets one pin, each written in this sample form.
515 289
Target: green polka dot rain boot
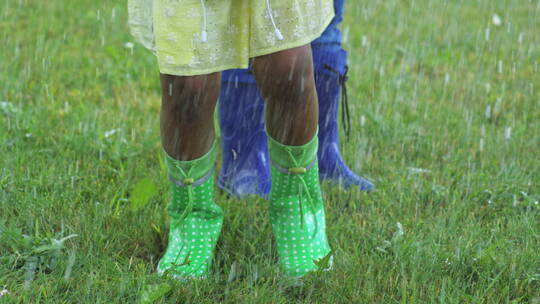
195 219
297 209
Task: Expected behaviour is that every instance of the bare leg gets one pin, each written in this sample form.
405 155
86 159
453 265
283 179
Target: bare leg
187 114
187 134
287 85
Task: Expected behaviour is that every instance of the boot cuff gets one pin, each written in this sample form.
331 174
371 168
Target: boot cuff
191 169
293 156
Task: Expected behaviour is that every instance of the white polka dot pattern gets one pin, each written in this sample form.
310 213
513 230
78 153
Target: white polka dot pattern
193 233
298 222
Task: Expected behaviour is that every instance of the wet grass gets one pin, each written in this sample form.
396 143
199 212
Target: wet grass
445 107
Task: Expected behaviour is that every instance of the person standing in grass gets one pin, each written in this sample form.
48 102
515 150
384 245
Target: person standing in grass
245 169
194 40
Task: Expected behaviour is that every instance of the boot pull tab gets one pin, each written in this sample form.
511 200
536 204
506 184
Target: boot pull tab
188 181
297 170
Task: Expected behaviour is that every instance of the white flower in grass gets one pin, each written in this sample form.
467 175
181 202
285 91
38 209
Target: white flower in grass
496 20
400 231
109 133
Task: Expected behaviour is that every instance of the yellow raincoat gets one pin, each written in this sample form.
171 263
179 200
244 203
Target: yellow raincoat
195 37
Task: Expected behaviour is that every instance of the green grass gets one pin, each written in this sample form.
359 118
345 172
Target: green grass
438 86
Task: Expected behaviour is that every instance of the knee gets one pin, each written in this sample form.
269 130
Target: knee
284 73
189 97
189 89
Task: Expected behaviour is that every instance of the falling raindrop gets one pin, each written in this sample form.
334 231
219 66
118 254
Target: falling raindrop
365 41
109 133
497 107
346 34
507 133
481 145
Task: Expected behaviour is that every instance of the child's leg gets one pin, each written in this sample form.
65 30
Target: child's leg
287 85
187 114
296 205
187 133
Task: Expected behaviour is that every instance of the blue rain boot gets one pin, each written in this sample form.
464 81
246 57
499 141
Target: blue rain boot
245 170
330 77
245 167
330 62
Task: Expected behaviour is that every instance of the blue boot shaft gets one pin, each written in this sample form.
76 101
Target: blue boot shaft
245 168
330 77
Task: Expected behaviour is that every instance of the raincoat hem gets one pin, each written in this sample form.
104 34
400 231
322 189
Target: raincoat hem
295 43
187 71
